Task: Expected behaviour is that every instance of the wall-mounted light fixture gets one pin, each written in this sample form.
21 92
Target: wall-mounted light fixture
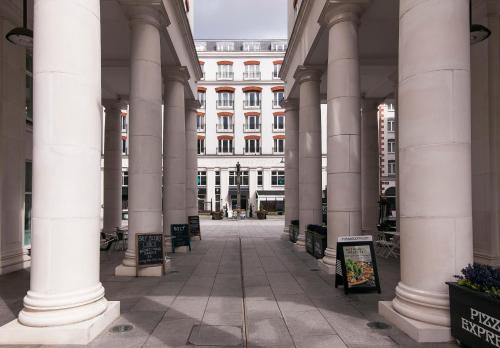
21 36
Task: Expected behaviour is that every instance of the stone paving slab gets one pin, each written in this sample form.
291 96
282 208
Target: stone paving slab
241 286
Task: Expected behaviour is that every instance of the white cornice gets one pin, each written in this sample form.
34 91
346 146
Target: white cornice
240 83
185 28
294 40
265 54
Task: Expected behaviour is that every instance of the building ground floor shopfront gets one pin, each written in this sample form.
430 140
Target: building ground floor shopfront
262 184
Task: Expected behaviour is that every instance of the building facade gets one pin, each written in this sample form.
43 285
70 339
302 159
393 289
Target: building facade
387 148
241 121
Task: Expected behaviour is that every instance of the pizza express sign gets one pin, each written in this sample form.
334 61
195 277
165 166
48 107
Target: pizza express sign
482 326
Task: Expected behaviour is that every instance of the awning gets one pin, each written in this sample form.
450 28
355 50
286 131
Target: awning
233 190
270 193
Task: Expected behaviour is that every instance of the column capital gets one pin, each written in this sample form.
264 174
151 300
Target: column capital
144 14
308 73
192 105
176 73
336 11
289 104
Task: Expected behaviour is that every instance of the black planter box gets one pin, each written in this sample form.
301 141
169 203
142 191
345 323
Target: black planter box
293 231
319 245
475 317
310 242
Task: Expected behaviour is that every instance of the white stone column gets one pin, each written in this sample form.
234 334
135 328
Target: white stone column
112 167
174 149
145 135
344 125
65 303
191 159
369 166
291 162
435 163
309 151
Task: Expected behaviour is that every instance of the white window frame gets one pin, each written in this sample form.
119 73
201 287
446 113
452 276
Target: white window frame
200 148
225 99
276 123
391 125
275 178
225 72
244 178
225 123
202 176
248 123
276 71
252 146
202 98
278 96
252 102
225 146
391 167
250 46
252 72
391 146
279 144
260 176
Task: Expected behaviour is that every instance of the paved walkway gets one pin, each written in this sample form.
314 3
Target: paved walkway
240 286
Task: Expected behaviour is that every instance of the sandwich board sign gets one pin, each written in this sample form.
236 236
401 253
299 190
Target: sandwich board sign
356 265
149 249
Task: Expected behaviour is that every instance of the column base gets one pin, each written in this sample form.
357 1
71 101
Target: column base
326 267
285 235
195 238
417 330
127 271
182 249
80 333
300 245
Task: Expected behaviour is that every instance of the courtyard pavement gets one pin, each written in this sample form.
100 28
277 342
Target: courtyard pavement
241 286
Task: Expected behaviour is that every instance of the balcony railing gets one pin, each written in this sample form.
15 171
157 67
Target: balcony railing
250 153
277 152
225 76
202 152
256 128
201 128
251 75
222 129
225 104
221 152
202 104
276 104
251 105
277 129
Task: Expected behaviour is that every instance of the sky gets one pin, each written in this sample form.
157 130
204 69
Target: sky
240 19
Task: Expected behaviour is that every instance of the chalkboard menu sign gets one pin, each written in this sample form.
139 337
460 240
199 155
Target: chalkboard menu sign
180 236
194 226
358 265
149 249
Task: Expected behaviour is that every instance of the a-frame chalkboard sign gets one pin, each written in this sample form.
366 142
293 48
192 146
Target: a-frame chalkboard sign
356 265
194 226
180 236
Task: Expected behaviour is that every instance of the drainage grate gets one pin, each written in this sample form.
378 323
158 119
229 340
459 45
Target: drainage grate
314 269
121 328
378 325
172 271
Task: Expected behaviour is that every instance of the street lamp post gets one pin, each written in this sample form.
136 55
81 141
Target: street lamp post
238 189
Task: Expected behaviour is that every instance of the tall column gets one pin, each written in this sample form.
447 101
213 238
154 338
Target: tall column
344 124
112 167
65 302
435 163
191 159
310 150
144 173
369 166
291 162
174 149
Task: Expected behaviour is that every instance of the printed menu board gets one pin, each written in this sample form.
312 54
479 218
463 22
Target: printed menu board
358 271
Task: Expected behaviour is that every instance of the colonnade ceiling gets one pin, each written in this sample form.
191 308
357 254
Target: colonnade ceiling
115 44
378 48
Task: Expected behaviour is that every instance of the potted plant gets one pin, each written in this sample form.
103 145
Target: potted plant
261 214
475 306
217 215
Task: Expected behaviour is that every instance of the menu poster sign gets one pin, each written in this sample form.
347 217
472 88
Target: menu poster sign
358 271
149 249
